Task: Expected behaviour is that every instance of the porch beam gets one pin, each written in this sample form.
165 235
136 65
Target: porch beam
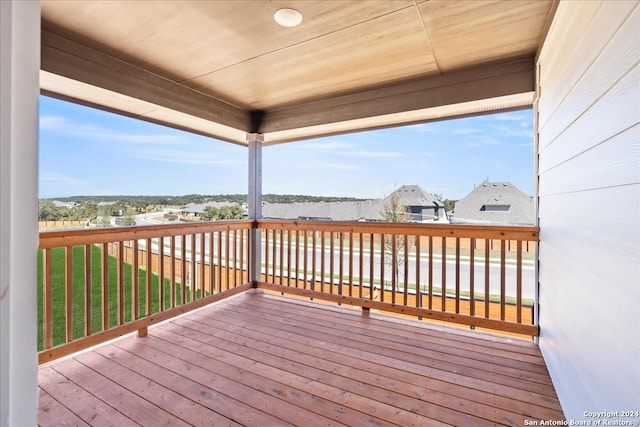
483 83
81 63
254 204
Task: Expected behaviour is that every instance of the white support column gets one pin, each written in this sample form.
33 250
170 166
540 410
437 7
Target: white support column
255 141
19 86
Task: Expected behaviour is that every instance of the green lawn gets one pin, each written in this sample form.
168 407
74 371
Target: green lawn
58 294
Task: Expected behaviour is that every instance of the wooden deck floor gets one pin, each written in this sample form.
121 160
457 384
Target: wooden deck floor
266 360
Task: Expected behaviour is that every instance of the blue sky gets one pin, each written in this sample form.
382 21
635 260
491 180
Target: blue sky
84 151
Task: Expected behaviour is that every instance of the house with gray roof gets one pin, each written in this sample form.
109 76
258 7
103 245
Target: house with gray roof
196 209
495 203
422 206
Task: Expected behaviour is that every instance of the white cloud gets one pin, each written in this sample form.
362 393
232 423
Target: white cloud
466 131
54 184
184 155
342 148
64 126
425 128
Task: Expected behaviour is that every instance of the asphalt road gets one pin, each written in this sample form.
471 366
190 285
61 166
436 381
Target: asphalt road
435 272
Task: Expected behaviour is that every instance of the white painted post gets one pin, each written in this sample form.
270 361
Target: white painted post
20 87
255 141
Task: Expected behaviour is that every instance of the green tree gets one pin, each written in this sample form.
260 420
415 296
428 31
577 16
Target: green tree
231 212
47 211
210 213
128 220
88 209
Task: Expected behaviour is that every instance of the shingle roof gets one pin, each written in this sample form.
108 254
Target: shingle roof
495 203
370 210
414 195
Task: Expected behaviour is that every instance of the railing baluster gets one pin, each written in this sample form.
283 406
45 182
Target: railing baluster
341 263
68 292
322 248
274 255
227 249
503 279
443 296
120 283
202 269
104 270
193 275
173 271
161 295
313 261
219 261
382 284
430 272
305 261
472 274
487 268
394 269
350 264
281 258
297 256
148 278
457 275
406 270
241 251
47 300
418 285
183 269
331 261
88 279
135 295
212 270
360 264
519 281
372 247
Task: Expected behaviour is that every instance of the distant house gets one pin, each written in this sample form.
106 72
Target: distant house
423 207
196 209
69 205
495 203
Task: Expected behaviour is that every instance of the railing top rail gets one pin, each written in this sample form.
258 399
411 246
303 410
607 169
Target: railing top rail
52 239
524 233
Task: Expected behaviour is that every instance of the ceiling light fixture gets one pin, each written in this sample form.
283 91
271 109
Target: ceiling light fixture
288 17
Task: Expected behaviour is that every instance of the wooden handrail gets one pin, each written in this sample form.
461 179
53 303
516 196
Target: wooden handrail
57 239
497 232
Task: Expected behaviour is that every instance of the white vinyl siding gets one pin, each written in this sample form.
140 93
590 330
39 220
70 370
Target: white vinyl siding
589 205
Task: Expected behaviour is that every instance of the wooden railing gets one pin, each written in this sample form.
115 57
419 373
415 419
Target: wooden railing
479 276
98 284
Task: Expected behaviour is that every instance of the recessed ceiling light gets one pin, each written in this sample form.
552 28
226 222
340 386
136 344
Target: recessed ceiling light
288 17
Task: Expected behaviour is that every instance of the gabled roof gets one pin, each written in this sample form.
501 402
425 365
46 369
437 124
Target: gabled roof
414 195
495 203
370 210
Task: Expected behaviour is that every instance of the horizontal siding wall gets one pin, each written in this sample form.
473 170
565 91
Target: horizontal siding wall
589 205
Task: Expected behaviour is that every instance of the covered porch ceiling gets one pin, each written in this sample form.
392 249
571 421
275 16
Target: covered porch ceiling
225 68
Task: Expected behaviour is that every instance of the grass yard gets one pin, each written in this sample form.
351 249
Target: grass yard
78 297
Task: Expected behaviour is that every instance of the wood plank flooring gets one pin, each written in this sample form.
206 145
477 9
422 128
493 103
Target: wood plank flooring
268 360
